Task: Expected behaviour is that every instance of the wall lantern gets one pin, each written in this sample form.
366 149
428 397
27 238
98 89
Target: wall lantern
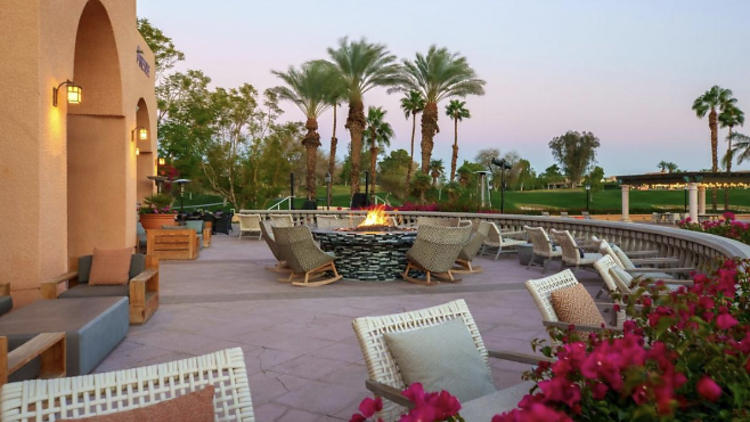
137 151
74 93
161 161
140 133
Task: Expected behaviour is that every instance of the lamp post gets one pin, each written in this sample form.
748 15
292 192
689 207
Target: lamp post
328 191
588 189
291 191
181 183
367 188
504 165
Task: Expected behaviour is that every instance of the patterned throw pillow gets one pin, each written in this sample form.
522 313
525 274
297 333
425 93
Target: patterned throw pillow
197 406
574 305
110 267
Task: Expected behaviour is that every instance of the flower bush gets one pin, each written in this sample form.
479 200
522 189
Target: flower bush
682 356
428 407
727 227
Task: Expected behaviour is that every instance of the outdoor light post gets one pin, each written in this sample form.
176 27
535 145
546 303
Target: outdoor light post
328 191
503 166
367 188
291 191
181 183
588 189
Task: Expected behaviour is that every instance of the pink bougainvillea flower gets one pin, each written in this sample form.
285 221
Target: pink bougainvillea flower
369 406
708 389
726 321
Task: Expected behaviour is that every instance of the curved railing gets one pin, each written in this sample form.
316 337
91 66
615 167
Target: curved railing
692 248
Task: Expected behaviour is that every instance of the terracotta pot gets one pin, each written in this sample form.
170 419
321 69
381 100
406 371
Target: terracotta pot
156 221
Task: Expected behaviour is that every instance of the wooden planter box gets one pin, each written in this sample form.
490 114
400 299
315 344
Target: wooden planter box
172 243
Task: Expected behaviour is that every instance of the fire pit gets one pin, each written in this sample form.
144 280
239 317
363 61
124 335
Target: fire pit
372 251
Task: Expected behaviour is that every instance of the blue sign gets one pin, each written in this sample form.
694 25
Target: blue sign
142 63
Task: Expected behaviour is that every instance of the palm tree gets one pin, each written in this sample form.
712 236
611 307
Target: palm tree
362 66
671 167
335 100
379 132
436 169
411 104
457 111
663 166
708 103
741 148
730 117
438 75
309 88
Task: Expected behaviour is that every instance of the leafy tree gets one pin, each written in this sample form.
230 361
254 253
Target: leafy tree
671 167
393 170
335 100
379 133
467 176
524 174
730 116
362 66
575 152
716 98
411 104
594 180
438 75
552 174
421 185
166 55
312 88
436 169
457 111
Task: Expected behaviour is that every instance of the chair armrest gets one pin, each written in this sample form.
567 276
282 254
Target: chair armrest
519 357
656 261
388 392
580 327
512 233
62 278
145 276
49 288
661 270
49 347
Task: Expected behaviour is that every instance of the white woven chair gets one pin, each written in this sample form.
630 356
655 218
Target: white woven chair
281 220
625 282
385 378
564 214
100 394
437 221
331 222
541 291
542 247
629 264
571 252
502 244
249 223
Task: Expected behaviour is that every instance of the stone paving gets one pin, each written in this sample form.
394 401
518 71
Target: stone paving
303 359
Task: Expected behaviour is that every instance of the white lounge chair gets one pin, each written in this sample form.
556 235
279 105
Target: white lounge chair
542 247
500 241
249 223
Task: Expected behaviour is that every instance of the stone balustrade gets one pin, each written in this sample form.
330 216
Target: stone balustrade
692 248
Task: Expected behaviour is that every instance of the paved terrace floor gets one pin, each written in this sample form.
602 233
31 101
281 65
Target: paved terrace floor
303 359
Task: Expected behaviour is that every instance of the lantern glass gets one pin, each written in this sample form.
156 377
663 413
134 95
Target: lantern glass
74 94
161 161
143 134
137 151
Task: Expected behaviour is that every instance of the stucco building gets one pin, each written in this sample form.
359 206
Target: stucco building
71 173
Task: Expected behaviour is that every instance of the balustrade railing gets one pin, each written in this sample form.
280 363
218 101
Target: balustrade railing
692 248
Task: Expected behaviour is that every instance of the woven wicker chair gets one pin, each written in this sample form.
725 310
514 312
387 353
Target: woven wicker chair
434 252
471 249
437 221
332 222
249 223
541 291
281 220
572 254
501 241
542 247
100 394
629 264
266 229
303 256
385 378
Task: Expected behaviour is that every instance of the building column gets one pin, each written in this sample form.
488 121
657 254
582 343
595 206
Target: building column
625 203
693 201
701 199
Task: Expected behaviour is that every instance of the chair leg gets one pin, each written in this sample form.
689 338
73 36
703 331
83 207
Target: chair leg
546 263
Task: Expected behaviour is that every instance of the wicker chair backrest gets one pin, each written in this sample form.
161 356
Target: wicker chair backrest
298 248
542 288
332 223
266 230
249 221
436 221
607 250
570 252
540 241
436 248
282 220
472 247
602 266
486 227
380 364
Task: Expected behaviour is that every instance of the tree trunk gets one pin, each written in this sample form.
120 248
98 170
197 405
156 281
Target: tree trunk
429 129
311 141
332 157
411 154
373 164
355 122
714 126
454 158
729 169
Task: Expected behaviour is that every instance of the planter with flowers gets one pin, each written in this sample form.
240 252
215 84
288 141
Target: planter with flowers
157 212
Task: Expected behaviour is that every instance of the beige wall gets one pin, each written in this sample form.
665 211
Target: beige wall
43 168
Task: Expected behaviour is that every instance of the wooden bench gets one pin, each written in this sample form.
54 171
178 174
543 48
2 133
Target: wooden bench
172 244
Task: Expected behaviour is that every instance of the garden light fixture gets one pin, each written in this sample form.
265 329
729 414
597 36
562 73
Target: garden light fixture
74 93
140 133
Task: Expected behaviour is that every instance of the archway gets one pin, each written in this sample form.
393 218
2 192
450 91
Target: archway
97 140
146 161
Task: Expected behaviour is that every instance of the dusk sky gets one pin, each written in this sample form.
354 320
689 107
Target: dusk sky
627 70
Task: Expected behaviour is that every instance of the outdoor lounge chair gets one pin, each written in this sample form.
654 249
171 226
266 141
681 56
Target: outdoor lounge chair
281 220
437 221
542 247
541 291
434 252
266 228
501 241
586 215
107 393
471 249
303 256
223 224
625 281
629 265
331 222
249 223
572 254
385 376
142 289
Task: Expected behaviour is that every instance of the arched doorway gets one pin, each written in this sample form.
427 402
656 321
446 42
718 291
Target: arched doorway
97 140
146 161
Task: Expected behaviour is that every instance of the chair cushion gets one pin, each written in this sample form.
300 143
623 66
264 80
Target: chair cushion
197 406
91 290
6 304
575 305
505 400
624 259
442 357
110 266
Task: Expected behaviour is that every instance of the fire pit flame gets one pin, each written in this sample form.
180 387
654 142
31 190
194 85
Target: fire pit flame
375 217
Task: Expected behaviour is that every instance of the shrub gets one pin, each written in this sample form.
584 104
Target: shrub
726 227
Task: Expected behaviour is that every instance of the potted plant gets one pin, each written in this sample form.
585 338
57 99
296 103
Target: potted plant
158 211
